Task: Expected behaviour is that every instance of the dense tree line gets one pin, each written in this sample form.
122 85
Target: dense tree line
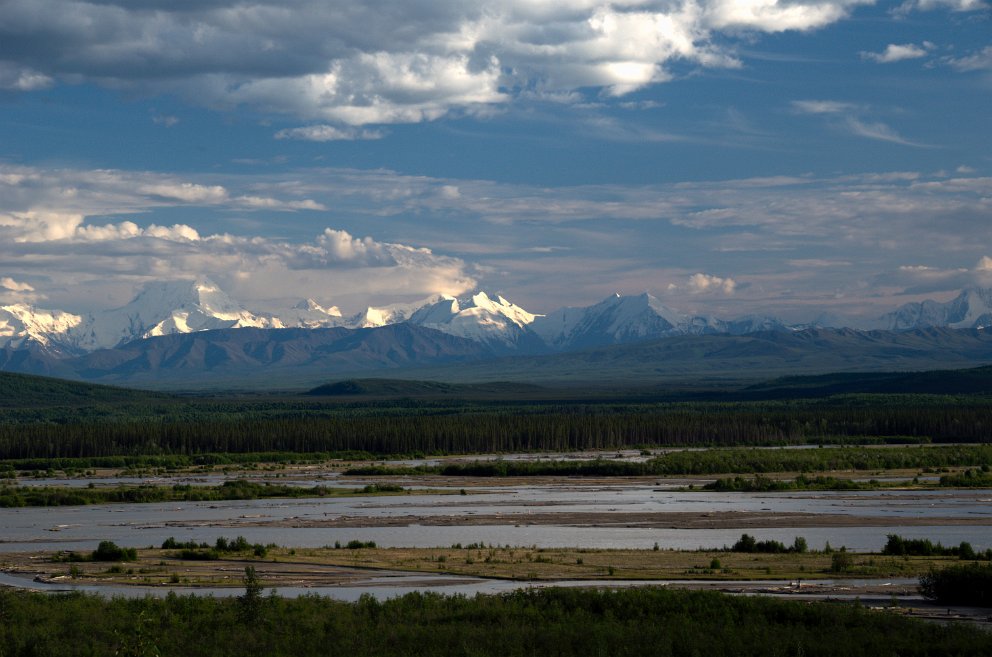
898 546
761 484
721 461
546 622
199 427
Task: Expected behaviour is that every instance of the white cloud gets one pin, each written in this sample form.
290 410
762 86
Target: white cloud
276 204
55 227
22 78
790 238
774 16
393 61
185 192
700 283
895 52
930 5
52 204
10 284
167 120
924 279
877 130
339 246
328 133
849 118
980 61
822 106
335 264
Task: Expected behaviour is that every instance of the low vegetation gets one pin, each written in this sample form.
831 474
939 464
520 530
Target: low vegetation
721 461
26 496
750 558
963 584
556 621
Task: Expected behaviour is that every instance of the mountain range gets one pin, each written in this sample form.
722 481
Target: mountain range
179 332
166 308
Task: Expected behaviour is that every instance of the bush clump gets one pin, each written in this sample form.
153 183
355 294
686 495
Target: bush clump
748 543
110 551
961 584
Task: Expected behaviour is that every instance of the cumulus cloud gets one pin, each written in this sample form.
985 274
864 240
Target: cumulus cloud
335 264
13 291
927 279
700 283
84 231
340 247
52 204
393 61
21 78
895 52
10 284
54 226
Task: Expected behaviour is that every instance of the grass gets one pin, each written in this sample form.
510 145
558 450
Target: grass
34 496
308 566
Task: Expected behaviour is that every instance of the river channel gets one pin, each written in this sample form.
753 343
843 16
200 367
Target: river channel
558 513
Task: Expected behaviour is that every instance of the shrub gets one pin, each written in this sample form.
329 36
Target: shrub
964 584
841 561
109 551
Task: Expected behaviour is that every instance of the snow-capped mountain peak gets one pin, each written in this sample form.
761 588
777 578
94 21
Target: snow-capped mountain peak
307 313
615 319
183 306
484 317
21 324
162 308
162 297
375 316
972 308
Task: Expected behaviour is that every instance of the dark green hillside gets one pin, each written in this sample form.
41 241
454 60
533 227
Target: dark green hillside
974 381
28 391
430 389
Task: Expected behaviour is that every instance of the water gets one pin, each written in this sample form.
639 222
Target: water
392 520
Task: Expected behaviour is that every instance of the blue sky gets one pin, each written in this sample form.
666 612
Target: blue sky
727 156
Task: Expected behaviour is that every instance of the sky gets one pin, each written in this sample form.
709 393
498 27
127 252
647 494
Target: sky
729 157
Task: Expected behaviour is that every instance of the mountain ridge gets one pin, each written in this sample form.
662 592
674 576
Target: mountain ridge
42 341
252 358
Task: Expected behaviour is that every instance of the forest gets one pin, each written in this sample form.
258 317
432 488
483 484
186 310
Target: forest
191 427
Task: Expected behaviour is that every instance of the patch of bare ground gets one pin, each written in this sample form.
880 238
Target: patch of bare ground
649 520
